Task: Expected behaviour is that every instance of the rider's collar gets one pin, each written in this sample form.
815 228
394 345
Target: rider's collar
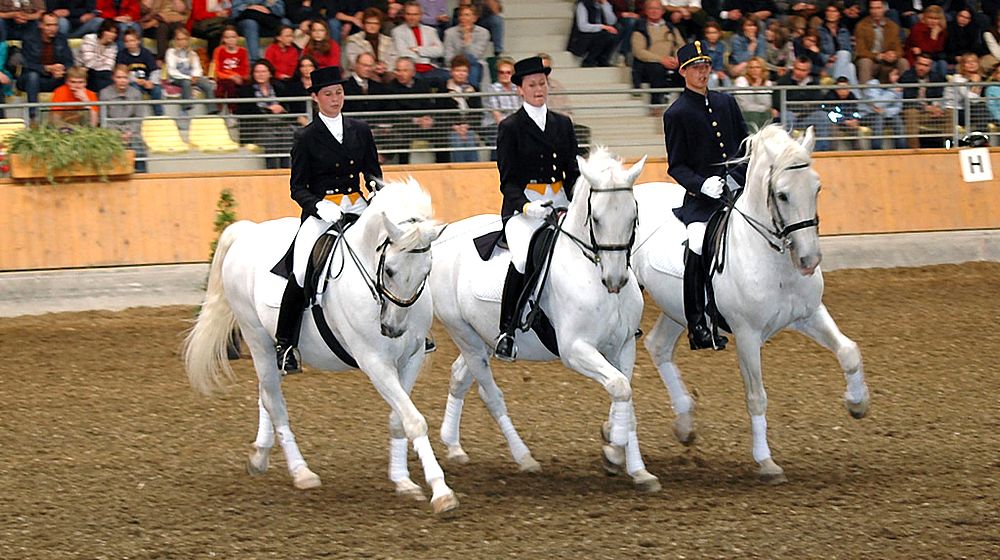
537 114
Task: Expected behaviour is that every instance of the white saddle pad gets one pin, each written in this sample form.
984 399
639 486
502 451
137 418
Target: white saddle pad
661 235
489 277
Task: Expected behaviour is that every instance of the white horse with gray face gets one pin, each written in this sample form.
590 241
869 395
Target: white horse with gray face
591 298
770 278
375 306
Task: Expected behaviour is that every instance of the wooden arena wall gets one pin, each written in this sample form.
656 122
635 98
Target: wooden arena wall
168 218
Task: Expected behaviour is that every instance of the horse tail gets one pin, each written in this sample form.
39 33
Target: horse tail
205 357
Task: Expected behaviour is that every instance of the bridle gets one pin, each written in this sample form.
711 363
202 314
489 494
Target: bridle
594 248
376 284
776 236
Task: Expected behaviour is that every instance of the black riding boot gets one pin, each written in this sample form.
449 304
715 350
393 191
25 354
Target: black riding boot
513 286
286 337
694 306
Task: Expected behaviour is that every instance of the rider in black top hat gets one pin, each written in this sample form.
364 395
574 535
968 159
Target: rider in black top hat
536 157
702 129
329 156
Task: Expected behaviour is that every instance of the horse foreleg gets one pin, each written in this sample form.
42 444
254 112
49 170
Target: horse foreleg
821 327
413 424
748 347
258 462
661 343
461 382
399 472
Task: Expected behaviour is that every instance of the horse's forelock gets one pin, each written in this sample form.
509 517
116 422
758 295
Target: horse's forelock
775 141
408 205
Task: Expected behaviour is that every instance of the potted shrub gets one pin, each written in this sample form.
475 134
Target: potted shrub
51 153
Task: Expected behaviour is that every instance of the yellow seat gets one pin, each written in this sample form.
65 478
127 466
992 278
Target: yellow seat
9 127
210 134
162 136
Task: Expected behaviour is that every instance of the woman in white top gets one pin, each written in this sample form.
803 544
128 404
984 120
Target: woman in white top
755 105
955 97
98 54
366 40
184 67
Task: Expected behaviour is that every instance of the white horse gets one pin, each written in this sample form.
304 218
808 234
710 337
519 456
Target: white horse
591 298
374 303
770 278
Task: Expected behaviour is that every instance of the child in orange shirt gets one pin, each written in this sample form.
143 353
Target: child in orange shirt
72 91
232 64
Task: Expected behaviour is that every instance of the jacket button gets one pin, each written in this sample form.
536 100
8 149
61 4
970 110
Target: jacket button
724 154
352 162
552 180
721 145
714 123
337 165
554 155
352 175
554 168
718 135
371 183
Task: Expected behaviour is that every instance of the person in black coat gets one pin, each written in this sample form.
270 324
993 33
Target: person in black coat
329 157
259 122
44 69
703 129
415 118
536 157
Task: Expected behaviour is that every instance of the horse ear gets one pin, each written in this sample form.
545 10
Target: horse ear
392 229
636 170
808 139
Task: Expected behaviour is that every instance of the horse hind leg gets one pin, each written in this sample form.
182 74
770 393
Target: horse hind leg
461 382
821 327
257 462
660 343
492 397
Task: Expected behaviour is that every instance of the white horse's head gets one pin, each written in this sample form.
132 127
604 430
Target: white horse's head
781 177
402 217
610 213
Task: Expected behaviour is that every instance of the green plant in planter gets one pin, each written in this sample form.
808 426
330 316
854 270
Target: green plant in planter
55 149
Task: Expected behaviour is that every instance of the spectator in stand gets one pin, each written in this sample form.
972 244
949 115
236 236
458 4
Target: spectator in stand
843 111
593 36
6 78
99 54
808 46
364 82
628 13
141 67
124 117
325 50
232 64
797 114
904 12
503 103
835 43
208 19
755 105
416 121
126 13
928 36
18 17
751 41
256 19
992 95
300 88
922 106
370 40
991 39
956 97
964 36
283 55
780 51
420 43
877 45
733 12
76 17
393 14
435 14
716 49
183 68
808 10
689 16
885 111
462 137
260 125
346 19
470 41
852 14
45 57
72 91
489 17
655 42
160 19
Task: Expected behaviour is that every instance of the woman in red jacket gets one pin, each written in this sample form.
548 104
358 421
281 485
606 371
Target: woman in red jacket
928 36
126 12
320 47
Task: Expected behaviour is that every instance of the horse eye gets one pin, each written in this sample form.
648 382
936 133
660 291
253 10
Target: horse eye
389 272
783 197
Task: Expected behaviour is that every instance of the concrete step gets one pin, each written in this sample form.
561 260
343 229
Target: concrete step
548 43
515 10
560 59
595 78
640 126
537 27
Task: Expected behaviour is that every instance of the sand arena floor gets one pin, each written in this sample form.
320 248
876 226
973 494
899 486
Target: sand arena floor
107 453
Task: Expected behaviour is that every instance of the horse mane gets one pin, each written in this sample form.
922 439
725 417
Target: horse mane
772 139
408 205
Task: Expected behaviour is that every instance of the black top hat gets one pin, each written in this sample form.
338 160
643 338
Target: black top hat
327 76
691 53
527 67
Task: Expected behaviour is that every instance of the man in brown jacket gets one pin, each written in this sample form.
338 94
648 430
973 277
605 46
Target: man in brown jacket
877 45
654 47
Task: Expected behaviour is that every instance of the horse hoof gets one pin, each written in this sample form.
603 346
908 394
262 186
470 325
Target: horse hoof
613 460
528 464
646 483
771 473
406 489
684 429
305 479
257 462
606 432
857 410
444 504
456 455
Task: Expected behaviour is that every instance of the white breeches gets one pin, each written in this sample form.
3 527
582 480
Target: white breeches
520 228
309 232
696 236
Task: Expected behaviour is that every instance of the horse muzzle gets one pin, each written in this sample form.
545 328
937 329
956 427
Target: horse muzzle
807 265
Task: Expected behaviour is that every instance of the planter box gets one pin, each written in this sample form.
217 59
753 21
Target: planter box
22 168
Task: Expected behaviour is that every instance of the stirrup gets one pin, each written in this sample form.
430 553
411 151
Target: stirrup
288 359
430 345
506 348
701 338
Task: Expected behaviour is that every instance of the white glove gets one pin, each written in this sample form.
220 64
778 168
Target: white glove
328 211
537 210
712 187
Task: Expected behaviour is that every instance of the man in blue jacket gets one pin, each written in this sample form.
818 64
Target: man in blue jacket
45 56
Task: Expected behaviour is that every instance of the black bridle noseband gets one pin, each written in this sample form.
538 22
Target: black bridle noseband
376 285
594 247
778 230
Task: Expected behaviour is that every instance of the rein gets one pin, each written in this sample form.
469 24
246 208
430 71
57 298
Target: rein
376 284
594 247
779 231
